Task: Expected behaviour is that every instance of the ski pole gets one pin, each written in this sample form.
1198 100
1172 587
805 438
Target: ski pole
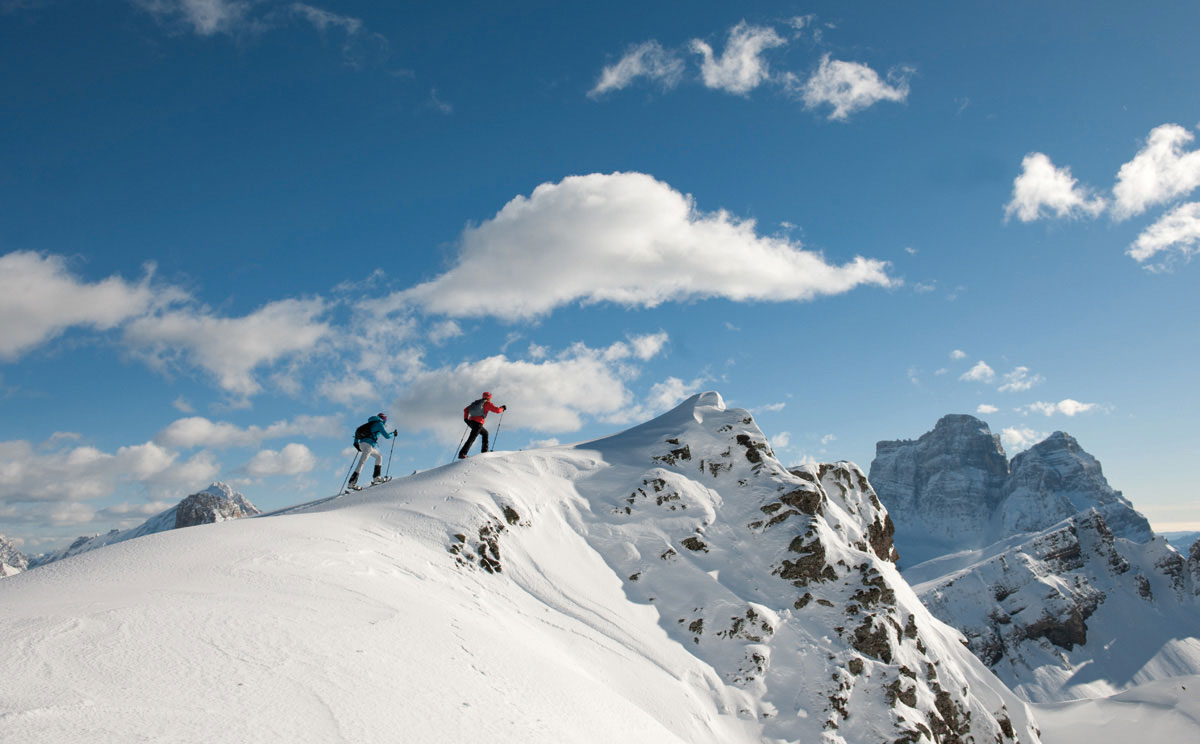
347 478
496 438
387 475
459 448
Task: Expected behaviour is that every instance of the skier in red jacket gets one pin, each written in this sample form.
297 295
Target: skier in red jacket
473 416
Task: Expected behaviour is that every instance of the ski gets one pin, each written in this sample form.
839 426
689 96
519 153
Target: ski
351 489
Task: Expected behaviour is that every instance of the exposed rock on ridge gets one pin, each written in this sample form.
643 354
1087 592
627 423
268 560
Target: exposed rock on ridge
12 561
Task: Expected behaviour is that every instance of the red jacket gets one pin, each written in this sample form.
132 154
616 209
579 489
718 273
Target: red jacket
488 407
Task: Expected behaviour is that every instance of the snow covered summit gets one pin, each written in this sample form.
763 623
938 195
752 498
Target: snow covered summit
12 562
671 583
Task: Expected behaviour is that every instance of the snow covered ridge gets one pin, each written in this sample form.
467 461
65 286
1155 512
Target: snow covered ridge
12 562
672 583
781 582
216 503
954 489
1073 611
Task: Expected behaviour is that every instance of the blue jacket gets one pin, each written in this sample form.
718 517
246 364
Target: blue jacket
377 428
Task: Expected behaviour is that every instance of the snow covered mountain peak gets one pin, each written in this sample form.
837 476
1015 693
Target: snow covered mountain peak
670 583
12 561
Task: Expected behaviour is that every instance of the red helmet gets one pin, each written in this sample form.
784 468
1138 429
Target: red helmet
487 396
382 416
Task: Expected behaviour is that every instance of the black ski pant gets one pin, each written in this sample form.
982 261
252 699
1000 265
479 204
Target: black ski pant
476 430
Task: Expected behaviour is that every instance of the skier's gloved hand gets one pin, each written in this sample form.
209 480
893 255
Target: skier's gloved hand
395 432
503 408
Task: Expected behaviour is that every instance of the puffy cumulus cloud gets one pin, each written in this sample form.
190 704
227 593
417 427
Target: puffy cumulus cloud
1177 233
1020 380
958 354
204 17
985 408
981 372
51 484
741 67
849 87
230 349
1160 172
1066 407
646 60
1019 439
781 440
1043 189
40 298
552 395
197 431
293 459
630 239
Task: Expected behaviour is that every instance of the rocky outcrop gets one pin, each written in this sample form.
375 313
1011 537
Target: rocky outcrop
12 562
954 489
216 503
1029 609
762 572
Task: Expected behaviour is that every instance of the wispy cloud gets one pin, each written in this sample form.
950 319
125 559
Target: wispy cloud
849 87
613 238
741 67
981 372
958 354
1066 407
40 298
1020 380
646 60
985 408
204 17
1042 188
1161 171
1176 234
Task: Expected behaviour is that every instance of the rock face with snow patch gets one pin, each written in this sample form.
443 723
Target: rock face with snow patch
12 562
1073 611
216 503
954 489
784 583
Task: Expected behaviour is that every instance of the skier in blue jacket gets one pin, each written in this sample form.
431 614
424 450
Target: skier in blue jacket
365 438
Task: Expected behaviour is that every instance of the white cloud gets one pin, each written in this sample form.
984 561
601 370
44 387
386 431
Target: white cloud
769 408
741 68
1020 380
1067 407
958 354
1178 229
324 20
781 440
206 17
850 87
648 346
347 390
630 239
1015 440
669 393
986 408
981 372
925 287
1042 186
197 431
231 349
552 395
1161 171
50 483
825 440
648 60
182 405
293 459
40 298
540 443
442 332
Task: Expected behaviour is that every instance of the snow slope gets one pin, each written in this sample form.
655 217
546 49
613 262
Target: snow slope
669 584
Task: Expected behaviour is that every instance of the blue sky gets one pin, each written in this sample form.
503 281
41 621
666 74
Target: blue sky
233 230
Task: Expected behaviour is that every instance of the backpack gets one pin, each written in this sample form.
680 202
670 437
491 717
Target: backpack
362 432
478 408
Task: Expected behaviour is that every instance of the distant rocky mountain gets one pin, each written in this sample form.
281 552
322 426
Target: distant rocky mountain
1072 611
217 503
1057 582
955 489
12 562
